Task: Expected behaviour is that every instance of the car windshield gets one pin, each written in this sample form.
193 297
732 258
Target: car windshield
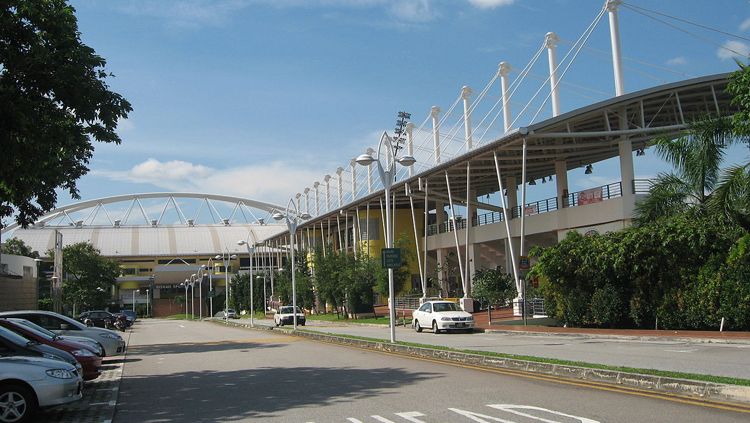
129 313
13 337
288 310
35 327
42 334
230 310
445 307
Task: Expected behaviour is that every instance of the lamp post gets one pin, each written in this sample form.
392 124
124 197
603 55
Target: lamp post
292 220
185 284
134 301
250 251
225 257
387 176
148 303
210 270
193 279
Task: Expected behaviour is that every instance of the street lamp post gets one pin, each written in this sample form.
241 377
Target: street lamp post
250 251
292 220
387 176
134 301
209 268
225 257
193 279
185 284
148 303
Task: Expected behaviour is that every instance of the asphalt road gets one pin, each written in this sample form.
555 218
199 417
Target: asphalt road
179 371
720 359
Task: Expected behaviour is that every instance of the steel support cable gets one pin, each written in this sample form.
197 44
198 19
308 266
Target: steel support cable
512 90
588 30
569 64
577 89
704 39
643 9
633 59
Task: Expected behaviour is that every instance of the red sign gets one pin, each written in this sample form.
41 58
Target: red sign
530 209
590 196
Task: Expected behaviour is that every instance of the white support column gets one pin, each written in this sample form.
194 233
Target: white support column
297 197
307 200
317 198
353 165
340 186
327 180
550 41
614 34
442 259
503 69
561 181
370 151
465 96
455 232
410 145
435 112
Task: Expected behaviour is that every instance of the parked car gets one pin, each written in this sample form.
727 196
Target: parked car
130 315
285 316
15 344
92 344
62 325
441 316
30 383
90 362
230 313
98 318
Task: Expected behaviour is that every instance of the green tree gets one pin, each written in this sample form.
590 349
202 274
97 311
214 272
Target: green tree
88 276
402 275
54 101
303 279
493 286
18 247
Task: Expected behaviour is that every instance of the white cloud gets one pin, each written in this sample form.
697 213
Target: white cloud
490 4
733 49
186 13
273 182
124 125
412 11
745 25
677 61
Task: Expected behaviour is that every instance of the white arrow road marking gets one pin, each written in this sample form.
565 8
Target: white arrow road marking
382 419
353 420
512 408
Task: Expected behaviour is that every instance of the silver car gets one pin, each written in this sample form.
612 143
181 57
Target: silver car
28 383
62 325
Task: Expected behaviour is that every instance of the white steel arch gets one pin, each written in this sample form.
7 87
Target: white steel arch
240 206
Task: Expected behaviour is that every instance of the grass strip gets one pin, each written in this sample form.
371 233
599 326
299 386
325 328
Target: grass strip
335 318
651 372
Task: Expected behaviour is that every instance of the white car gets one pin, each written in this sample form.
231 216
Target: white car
285 316
63 325
441 316
28 383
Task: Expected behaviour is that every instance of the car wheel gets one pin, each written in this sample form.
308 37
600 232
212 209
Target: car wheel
17 404
303 323
416 326
435 329
277 323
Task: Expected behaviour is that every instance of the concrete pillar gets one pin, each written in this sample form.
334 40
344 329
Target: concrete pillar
353 165
435 112
550 41
410 145
614 32
465 96
340 187
307 200
317 198
503 69
512 187
327 180
561 180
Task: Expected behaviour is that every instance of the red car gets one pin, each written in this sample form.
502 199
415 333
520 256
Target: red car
90 362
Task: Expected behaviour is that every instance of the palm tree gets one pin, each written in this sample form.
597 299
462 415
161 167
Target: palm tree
696 157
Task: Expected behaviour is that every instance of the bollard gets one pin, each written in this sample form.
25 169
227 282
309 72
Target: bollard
721 328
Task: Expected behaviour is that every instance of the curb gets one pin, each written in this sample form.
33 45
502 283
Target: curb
624 337
688 388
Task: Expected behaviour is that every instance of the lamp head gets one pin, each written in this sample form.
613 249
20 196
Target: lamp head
406 161
277 216
241 242
218 257
365 159
234 256
305 216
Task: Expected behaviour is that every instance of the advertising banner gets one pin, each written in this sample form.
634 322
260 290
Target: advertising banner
590 196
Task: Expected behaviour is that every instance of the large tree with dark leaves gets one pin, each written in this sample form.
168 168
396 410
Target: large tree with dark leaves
53 102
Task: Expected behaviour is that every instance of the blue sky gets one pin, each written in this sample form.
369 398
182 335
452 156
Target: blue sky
261 98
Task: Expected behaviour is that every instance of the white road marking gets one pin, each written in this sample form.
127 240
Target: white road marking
682 351
382 419
512 408
353 420
479 417
411 416
182 326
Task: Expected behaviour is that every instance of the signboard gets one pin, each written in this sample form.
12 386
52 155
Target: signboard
590 196
530 209
523 263
390 258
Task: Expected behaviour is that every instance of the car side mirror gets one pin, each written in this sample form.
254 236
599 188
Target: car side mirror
64 326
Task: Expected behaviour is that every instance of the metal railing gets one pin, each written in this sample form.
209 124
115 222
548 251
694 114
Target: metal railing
575 199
